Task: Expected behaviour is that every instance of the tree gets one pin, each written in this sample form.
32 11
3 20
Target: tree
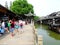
21 7
6 4
36 18
10 4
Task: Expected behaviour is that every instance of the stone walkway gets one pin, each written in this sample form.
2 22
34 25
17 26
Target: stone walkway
25 38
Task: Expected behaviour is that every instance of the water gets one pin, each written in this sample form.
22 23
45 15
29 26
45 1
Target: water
49 37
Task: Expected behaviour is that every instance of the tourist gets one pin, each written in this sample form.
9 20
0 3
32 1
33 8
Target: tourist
6 26
0 27
16 25
23 22
26 22
9 24
21 25
1 30
3 25
12 28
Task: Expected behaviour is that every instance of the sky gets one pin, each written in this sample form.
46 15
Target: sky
41 7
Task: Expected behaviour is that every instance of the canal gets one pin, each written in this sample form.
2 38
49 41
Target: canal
49 37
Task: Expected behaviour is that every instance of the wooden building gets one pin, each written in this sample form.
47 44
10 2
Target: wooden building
6 14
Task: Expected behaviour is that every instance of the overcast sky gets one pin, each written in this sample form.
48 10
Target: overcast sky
41 7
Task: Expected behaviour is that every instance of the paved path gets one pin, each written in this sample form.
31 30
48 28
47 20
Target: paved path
25 38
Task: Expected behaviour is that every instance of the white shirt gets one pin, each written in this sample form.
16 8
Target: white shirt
3 24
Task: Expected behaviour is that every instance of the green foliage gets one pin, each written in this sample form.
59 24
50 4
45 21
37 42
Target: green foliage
36 18
21 7
36 25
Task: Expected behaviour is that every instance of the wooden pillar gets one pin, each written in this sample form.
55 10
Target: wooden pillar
41 21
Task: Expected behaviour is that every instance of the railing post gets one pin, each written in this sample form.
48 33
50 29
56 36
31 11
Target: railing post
40 40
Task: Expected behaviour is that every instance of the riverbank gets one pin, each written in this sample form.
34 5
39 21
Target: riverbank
39 38
49 37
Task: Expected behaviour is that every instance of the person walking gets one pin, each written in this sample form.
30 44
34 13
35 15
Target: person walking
17 25
9 25
1 30
21 25
0 27
3 25
12 28
6 26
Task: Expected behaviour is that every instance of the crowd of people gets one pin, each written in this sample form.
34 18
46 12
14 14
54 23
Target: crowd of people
10 26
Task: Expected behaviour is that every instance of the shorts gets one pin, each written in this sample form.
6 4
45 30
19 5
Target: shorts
19 26
11 30
16 27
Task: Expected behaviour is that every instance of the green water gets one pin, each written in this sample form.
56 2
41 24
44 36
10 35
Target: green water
49 37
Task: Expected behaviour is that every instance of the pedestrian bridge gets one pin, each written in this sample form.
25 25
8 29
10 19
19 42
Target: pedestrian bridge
24 38
27 37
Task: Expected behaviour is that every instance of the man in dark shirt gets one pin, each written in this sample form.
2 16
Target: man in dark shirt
6 26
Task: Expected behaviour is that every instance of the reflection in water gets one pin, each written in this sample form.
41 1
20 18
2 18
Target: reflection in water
54 35
49 37
51 33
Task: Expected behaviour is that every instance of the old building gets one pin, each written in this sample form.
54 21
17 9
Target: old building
6 14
